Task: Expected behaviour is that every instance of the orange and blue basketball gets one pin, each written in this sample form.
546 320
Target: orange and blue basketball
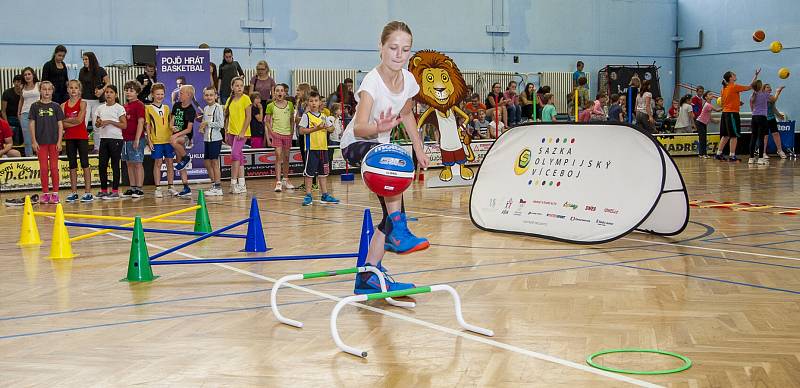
387 170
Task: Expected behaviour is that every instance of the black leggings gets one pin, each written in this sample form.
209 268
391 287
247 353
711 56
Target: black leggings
702 135
76 147
354 153
758 129
110 149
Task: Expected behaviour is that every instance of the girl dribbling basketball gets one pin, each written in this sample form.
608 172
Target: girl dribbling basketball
384 102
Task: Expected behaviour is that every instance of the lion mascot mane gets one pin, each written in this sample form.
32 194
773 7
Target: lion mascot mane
442 87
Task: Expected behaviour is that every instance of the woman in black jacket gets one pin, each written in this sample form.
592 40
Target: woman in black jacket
55 71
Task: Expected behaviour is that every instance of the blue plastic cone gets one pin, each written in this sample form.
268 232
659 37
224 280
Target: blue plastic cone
255 241
367 230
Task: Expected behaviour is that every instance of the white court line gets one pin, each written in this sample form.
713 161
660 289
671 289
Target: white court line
443 329
623 238
714 249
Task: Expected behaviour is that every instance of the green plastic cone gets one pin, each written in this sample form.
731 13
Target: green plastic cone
139 269
201 221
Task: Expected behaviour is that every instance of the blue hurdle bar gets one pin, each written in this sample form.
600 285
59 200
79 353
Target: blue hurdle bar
256 259
149 230
198 239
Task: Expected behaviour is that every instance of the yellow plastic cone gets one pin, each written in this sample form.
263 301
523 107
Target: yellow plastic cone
29 234
61 247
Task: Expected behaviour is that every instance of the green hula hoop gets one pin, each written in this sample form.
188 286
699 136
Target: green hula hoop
687 363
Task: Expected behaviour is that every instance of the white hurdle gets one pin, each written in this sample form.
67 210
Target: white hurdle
274 294
385 295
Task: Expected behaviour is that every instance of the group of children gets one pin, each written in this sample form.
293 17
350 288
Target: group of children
125 131
763 121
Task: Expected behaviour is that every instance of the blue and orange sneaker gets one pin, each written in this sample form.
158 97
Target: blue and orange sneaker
401 240
368 282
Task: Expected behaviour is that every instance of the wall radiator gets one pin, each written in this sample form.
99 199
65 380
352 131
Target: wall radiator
326 80
7 76
560 83
117 75
482 81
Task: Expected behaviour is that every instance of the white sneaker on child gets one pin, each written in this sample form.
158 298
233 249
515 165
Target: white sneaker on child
287 185
278 188
214 192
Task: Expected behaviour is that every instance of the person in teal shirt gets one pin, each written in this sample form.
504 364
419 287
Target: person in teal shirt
549 110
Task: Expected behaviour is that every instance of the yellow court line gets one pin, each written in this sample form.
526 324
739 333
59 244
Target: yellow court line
151 219
719 205
111 218
748 209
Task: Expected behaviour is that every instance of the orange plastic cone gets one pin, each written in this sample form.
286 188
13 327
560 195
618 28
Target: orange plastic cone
61 247
29 234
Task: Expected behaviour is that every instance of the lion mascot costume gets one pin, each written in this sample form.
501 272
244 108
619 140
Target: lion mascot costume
441 88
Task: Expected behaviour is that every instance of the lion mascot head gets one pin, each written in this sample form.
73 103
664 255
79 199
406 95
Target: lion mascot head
440 82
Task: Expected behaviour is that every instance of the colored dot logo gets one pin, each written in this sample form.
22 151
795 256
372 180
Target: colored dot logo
544 183
542 140
572 141
557 140
565 140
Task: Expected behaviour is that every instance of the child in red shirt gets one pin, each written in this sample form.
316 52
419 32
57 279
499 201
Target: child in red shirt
77 139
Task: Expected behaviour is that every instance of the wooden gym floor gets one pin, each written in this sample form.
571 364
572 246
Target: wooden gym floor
725 293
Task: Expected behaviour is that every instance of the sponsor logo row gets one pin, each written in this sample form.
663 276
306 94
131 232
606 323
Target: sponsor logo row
567 204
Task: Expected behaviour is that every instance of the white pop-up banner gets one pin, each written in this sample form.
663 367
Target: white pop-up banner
580 183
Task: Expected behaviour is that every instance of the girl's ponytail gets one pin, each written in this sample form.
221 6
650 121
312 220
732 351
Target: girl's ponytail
726 78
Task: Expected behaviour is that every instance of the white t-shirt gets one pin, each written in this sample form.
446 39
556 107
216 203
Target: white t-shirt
494 129
112 113
641 99
383 99
30 97
337 129
683 120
